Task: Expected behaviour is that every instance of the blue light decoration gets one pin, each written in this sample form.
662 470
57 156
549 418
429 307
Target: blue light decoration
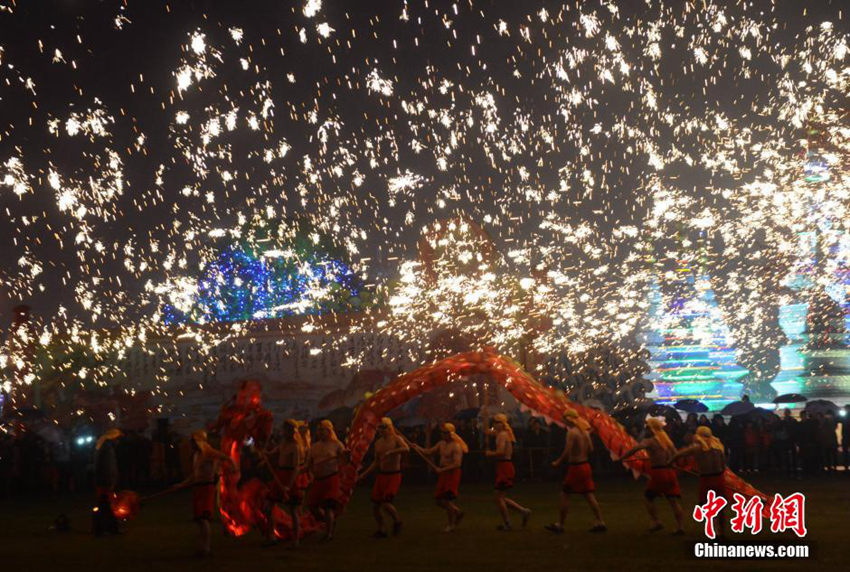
691 352
239 285
816 372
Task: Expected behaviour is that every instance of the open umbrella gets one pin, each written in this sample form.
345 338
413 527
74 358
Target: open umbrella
411 422
737 408
822 406
691 406
659 410
759 413
469 413
790 398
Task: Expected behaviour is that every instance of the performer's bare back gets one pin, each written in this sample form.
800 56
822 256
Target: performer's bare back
578 445
710 462
659 456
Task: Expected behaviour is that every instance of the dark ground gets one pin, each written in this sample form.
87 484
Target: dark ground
162 537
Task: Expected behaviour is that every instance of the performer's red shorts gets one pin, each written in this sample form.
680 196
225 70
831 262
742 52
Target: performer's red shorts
294 495
662 482
386 486
203 501
505 474
579 479
716 483
448 483
325 492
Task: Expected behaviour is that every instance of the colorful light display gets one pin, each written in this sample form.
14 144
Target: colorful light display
240 286
816 321
692 353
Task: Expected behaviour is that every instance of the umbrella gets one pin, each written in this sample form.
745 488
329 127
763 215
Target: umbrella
760 412
737 408
659 410
822 406
469 413
691 406
411 422
790 398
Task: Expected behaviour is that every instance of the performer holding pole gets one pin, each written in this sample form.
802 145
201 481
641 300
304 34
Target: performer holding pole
579 477
451 449
324 459
289 480
205 473
710 458
505 472
662 477
389 447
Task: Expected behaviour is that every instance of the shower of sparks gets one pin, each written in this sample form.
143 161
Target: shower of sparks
589 143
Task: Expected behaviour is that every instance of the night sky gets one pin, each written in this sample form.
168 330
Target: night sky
122 57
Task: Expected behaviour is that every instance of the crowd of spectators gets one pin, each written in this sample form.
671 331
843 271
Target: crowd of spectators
63 462
813 443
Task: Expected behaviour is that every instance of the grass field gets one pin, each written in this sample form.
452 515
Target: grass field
163 538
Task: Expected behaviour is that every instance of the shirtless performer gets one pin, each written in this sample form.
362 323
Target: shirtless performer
662 477
203 480
389 446
307 443
324 459
290 480
505 472
579 478
451 449
710 458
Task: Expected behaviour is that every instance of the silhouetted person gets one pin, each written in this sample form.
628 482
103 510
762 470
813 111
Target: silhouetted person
106 480
845 437
808 443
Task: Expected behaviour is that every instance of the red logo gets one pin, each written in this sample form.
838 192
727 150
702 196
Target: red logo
788 513
707 512
748 514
